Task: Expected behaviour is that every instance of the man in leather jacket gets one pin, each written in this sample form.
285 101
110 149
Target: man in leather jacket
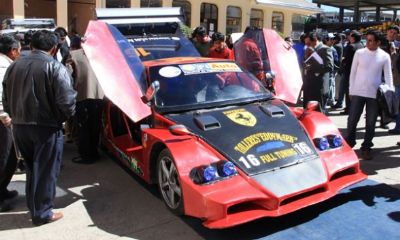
39 97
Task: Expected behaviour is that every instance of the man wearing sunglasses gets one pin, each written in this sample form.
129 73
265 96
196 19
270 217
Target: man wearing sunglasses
365 78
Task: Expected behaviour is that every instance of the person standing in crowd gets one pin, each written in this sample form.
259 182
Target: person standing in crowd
388 45
365 78
248 54
89 104
219 48
391 36
39 97
10 50
330 41
338 45
63 45
300 48
395 58
348 54
318 67
201 41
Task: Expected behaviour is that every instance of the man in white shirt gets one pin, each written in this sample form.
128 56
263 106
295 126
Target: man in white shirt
365 78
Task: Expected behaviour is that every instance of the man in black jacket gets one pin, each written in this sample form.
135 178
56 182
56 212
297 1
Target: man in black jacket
345 69
39 97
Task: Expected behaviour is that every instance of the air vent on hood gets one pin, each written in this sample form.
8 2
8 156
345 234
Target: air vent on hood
272 111
207 122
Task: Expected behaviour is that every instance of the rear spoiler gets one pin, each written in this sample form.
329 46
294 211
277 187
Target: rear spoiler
136 15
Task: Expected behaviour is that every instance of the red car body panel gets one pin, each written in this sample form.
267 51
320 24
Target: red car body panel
114 74
284 64
226 203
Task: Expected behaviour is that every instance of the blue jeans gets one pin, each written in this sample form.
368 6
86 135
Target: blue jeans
397 127
356 109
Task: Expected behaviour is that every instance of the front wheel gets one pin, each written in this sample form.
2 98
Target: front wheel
168 182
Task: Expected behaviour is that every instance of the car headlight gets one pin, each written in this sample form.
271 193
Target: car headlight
214 172
335 141
321 143
209 174
329 141
226 169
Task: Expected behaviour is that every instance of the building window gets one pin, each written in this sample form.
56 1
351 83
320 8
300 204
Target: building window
209 17
186 7
118 4
233 19
277 21
298 23
150 3
257 18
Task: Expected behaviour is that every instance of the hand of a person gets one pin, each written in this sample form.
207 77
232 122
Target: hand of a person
6 121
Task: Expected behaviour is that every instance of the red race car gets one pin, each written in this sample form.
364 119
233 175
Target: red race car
219 145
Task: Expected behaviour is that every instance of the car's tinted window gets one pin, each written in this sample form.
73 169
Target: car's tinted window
204 84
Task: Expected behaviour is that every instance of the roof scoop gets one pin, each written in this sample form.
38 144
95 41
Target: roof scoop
272 111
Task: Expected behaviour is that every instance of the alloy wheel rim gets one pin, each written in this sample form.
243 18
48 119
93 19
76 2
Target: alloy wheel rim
169 183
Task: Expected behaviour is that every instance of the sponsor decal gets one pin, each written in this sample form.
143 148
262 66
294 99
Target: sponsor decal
250 160
249 142
169 72
131 160
198 68
133 164
242 117
300 149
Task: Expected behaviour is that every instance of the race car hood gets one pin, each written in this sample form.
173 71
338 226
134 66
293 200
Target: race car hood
258 138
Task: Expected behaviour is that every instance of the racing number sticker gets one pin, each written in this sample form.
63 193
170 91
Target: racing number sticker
302 148
250 161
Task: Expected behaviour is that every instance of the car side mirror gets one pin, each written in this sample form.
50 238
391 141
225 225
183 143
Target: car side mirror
151 92
179 130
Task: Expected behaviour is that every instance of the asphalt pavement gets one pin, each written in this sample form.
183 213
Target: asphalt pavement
104 201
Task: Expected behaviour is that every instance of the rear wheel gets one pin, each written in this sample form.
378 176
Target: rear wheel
169 183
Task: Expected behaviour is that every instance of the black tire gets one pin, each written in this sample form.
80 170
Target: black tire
169 183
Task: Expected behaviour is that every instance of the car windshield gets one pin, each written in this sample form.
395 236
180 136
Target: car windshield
204 85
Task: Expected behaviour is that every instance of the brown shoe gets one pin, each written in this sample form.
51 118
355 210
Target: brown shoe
366 154
56 216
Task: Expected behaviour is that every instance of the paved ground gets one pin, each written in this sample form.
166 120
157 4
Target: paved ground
102 201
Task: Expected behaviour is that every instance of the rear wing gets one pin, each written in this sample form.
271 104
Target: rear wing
107 14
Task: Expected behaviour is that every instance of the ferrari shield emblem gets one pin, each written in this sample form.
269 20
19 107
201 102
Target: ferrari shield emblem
242 117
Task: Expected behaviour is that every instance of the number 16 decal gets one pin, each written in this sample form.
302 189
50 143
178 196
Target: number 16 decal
250 161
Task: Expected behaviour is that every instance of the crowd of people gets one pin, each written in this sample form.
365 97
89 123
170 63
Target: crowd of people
360 64
53 89
49 92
